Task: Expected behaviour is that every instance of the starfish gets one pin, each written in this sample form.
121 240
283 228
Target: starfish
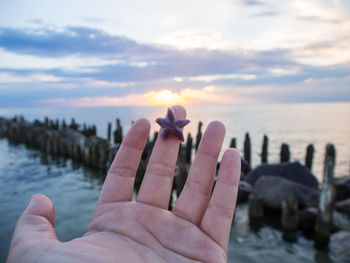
171 125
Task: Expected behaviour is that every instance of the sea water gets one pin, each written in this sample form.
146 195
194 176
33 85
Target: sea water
74 189
295 124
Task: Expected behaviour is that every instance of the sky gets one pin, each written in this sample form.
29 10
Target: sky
156 52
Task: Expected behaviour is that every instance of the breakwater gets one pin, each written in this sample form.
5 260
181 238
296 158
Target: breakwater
299 203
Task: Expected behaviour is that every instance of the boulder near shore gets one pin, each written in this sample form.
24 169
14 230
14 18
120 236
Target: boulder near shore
291 171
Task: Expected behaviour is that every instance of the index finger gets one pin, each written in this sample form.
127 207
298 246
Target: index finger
119 183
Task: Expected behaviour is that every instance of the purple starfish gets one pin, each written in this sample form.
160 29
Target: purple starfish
171 125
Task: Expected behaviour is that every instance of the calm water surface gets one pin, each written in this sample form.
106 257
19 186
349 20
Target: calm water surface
74 190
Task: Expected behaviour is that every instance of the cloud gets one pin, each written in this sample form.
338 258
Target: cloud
93 19
266 14
319 19
252 2
117 70
126 60
69 41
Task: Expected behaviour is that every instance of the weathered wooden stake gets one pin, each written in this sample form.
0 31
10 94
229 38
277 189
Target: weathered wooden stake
46 122
57 124
326 203
109 131
290 217
233 143
73 125
247 149
285 154
155 136
189 146
264 149
256 209
199 134
51 124
118 133
85 129
182 174
309 156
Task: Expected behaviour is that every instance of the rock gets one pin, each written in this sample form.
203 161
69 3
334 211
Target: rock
340 247
340 221
244 190
291 171
273 190
342 188
307 219
343 206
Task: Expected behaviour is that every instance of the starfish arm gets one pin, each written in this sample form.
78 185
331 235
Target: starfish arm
170 115
165 133
179 134
181 123
163 122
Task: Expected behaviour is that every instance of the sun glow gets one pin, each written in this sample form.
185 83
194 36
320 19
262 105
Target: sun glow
188 96
165 97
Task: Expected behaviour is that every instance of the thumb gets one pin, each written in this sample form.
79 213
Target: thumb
36 224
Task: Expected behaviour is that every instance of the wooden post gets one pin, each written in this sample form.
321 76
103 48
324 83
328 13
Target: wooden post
189 145
247 149
55 144
199 135
326 203
155 136
256 209
285 155
233 143
182 173
85 128
109 131
140 174
51 124
309 156
76 152
73 125
118 133
57 124
264 149
290 218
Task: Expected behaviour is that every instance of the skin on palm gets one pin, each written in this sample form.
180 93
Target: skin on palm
197 230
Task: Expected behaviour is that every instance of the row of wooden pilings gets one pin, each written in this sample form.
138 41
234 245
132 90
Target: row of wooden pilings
67 140
80 143
284 152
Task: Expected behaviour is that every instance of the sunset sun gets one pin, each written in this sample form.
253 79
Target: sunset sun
165 97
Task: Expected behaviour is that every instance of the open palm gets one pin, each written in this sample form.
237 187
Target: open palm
196 230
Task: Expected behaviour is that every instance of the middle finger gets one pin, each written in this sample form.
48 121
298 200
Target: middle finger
158 180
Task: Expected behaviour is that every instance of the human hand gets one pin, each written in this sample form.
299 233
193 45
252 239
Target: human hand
196 230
